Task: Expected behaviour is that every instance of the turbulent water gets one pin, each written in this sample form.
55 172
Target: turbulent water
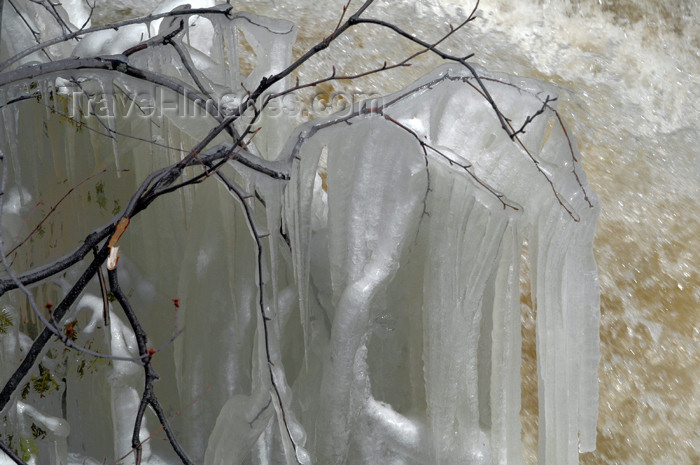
630 76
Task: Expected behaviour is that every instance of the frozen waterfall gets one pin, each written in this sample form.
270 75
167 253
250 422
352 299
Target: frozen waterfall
363 307
422 309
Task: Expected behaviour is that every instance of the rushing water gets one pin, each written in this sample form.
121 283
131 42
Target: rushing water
632 72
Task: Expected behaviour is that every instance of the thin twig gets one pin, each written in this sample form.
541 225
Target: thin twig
250 221
56 205
149 397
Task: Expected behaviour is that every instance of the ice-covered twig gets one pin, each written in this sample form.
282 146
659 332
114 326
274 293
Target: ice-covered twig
33 31
220 9
118 63
51 9
89 16
514 135
467 168
573 157
444 56
529 119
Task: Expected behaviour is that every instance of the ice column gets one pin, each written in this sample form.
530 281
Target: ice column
426 220
374 208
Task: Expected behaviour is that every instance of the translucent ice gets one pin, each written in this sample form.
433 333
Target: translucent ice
364 311
455 244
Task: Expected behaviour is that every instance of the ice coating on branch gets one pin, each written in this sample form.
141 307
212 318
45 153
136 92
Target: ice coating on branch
243 418
21 21
171 5
57 428
271 41
112 42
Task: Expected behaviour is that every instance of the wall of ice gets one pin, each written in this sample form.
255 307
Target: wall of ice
383 325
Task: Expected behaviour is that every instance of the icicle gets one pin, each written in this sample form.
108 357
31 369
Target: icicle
565 292
271 191
10 121
243 418
374 200
46 97
299 208
278 309
506 352
10 341
225 51
69 139
463 245
272 41
108 116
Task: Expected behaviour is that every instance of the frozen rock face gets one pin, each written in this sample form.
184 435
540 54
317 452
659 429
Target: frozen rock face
382 325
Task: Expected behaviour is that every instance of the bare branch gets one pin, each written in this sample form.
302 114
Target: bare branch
242 197
445 56
149 397
467 168
40 342
10 453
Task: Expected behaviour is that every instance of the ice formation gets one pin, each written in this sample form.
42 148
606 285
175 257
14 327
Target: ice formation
428 280
382 324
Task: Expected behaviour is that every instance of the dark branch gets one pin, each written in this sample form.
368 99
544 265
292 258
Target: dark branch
149 396
45 336
10 453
